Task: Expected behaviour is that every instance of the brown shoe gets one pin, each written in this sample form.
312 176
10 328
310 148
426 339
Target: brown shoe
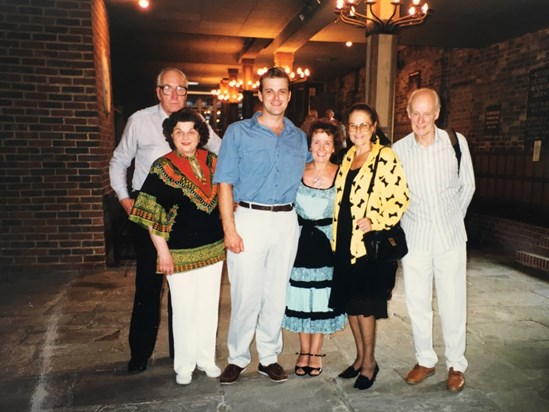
274 371
456 380
418 374
230 374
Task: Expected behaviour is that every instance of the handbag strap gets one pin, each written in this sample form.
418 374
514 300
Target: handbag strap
372 181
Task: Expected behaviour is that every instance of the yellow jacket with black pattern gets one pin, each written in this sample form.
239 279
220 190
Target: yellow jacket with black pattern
387 203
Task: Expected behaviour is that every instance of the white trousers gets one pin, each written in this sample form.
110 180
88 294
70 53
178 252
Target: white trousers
195 306
449 270
259 278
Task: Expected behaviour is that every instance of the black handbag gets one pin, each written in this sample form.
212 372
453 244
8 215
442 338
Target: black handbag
384 245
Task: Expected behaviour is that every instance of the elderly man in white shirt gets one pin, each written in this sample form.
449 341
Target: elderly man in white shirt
440 192
143 141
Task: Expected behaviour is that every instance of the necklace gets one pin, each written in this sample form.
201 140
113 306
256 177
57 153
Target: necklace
321 175
317 181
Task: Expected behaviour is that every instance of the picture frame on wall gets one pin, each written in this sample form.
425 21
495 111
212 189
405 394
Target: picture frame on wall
414 81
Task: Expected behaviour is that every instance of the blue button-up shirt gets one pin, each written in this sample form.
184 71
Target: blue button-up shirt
261 166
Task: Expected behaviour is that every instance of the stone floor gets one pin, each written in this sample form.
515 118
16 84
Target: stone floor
64 348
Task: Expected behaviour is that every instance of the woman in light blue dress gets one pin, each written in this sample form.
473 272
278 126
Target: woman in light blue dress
307 311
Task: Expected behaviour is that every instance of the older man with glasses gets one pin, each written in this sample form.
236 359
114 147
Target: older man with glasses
143 141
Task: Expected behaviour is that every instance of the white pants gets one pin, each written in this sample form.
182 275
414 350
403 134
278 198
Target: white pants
259 278
195 306
449 269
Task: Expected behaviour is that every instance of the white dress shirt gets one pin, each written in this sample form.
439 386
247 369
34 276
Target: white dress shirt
143 141
439 197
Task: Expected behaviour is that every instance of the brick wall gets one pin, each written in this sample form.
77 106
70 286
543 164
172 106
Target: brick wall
468 81
505 234
509 183
429 62
57 137
348 91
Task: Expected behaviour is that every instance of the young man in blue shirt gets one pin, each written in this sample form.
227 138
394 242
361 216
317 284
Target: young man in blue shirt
261 162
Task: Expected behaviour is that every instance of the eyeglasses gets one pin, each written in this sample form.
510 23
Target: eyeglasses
167 90
362 127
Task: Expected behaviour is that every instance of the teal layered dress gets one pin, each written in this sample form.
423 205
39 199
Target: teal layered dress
309 288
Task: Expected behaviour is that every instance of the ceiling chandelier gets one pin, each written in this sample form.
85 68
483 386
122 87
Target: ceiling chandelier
230 91
300 75
378 16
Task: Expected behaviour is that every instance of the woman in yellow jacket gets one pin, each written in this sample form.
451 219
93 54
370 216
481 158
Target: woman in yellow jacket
361 288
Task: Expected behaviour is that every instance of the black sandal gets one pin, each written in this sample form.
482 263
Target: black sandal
317 370
302 370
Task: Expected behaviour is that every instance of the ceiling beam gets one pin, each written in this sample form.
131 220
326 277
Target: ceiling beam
310 20
251 48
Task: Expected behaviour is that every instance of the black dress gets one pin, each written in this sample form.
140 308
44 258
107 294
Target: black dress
362 288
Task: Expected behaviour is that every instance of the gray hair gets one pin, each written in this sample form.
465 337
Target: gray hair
423 90
170 69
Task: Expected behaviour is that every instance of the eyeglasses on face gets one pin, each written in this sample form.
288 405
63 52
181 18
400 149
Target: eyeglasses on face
362 127
167 90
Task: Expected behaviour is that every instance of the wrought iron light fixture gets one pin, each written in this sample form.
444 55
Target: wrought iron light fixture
375 21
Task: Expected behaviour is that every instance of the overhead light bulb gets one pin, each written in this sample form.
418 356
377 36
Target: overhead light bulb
144 4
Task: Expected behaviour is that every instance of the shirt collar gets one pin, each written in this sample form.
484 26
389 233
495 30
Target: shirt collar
163 115
414 142
254 118
255 122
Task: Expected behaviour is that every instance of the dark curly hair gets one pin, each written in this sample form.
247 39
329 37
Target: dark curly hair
328 127
185 115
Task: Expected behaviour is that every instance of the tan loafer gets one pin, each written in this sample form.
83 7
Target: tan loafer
456 380
418 374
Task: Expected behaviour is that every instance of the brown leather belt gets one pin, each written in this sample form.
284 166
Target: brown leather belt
272 208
